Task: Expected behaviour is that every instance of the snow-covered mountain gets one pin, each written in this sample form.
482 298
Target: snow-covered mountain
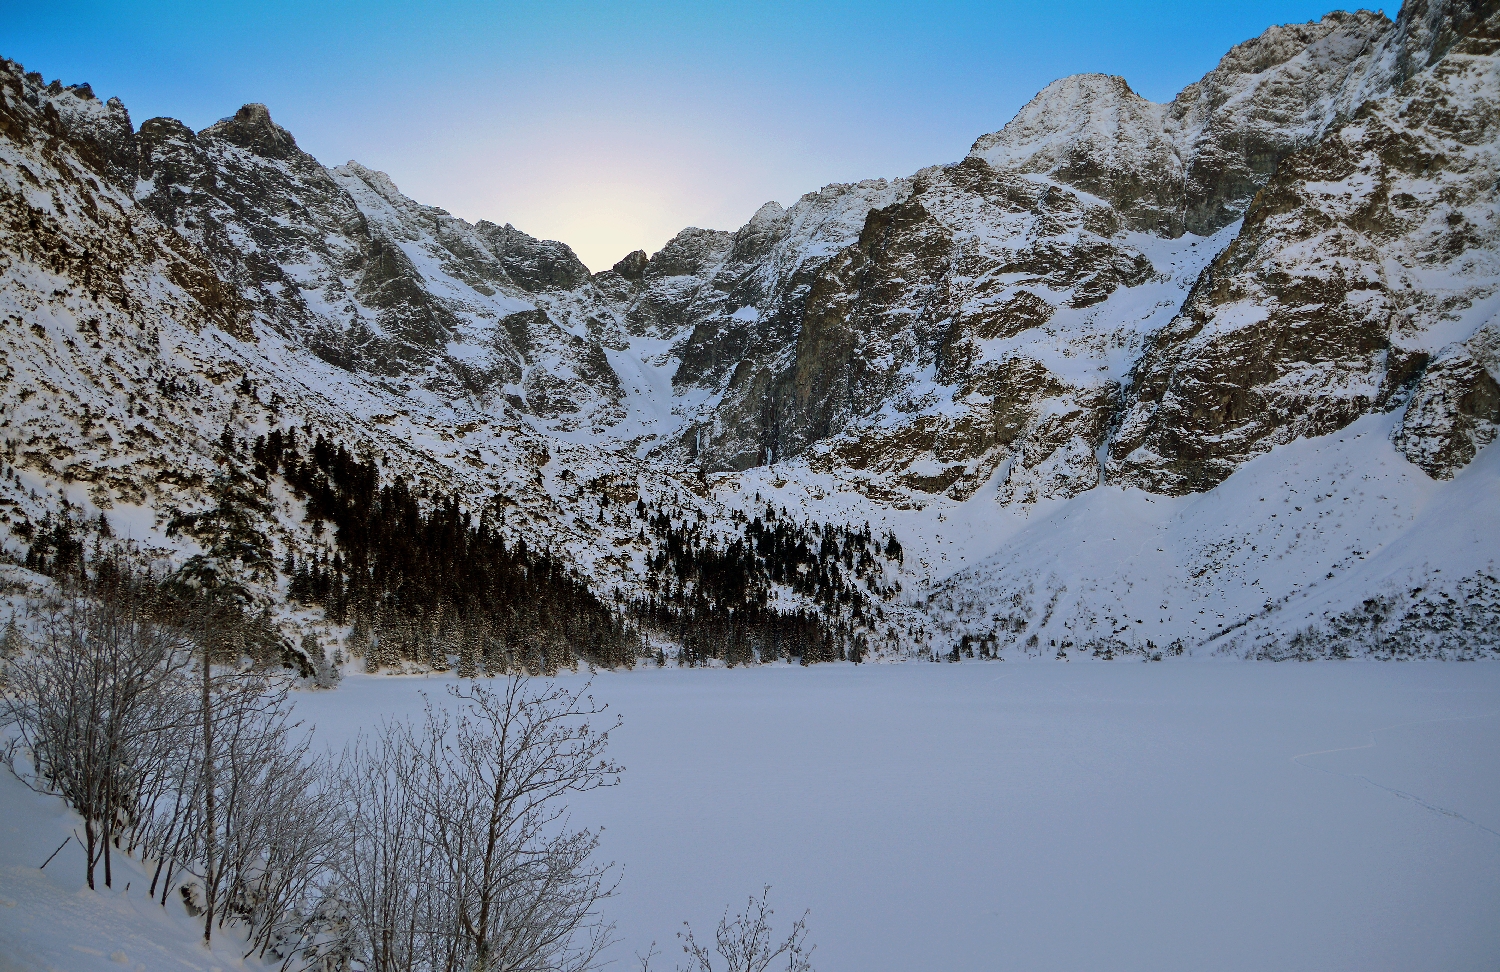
1082 376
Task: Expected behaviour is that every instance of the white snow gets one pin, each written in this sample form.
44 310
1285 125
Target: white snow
51 922
998 816
1212 815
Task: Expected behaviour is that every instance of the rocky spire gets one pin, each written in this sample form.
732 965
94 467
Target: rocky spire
251 128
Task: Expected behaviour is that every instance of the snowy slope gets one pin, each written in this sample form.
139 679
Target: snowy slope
1057 369
1318 536
50 921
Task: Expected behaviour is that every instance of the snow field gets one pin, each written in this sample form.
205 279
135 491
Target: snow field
1212 815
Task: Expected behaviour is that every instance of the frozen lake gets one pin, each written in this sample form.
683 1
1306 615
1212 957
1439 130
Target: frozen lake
1121 816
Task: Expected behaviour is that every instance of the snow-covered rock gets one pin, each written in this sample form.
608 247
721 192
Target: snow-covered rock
1366 256
1107 297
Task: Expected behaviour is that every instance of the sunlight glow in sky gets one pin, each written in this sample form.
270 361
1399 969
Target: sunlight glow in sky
612 126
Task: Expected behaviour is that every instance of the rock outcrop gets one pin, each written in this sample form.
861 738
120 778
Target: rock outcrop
1364 257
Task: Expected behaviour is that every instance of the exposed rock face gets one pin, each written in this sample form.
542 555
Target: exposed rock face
1428 29
919 348
669 283
977 319
532 263
1362 258
1267 98
251 129
1454 413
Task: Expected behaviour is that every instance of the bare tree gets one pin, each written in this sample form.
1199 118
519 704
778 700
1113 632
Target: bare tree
745 943
276 817
92 703
386 871
197 766
209 605
463 857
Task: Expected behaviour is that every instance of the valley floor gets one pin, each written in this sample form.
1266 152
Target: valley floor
1002 816
1187 816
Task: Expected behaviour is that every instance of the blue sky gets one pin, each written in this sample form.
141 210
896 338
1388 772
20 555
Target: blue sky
612 125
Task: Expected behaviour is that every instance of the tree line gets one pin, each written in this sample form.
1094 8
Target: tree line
421 578
717 596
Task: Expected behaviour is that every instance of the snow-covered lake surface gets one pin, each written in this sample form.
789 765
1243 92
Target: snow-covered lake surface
1120 816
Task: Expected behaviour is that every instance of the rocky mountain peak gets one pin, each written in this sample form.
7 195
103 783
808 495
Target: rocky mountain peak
690 252
1092 132
533 264
755 238
768 214
1192 165
1363 278
632 266
252 129
1078 108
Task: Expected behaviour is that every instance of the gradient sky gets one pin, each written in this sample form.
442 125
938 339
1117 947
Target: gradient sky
612 126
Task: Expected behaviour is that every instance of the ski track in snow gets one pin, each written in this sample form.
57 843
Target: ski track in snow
1441 811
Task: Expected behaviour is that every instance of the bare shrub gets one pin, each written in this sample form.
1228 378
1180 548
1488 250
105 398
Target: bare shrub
744 943
154 710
